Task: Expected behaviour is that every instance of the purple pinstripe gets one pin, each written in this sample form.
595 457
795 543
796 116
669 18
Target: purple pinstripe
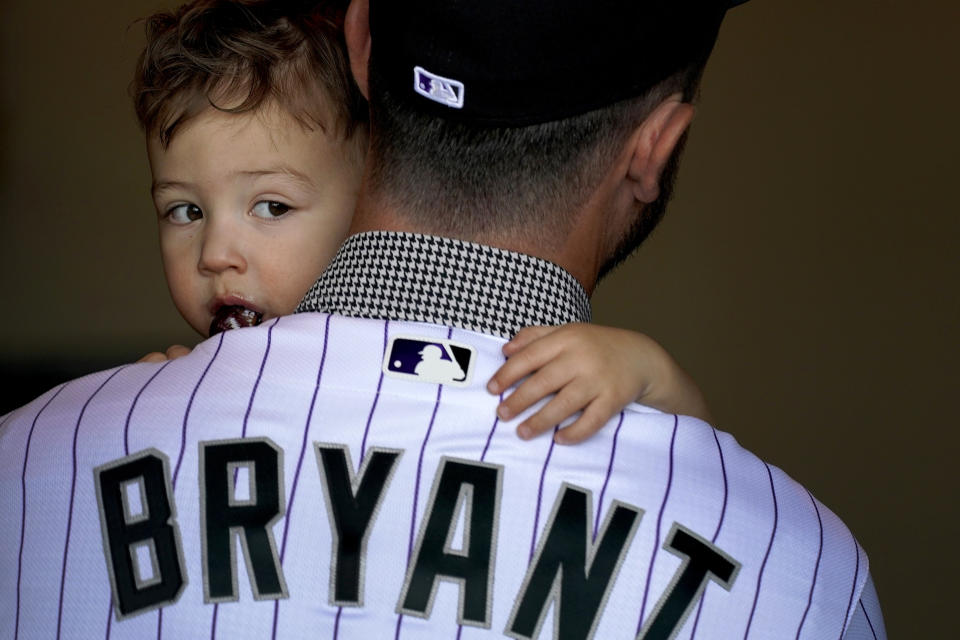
363 447
256 384
483 456
186 414
376 396
716 534
136 398
603 491
73 489
336 623
416 486
109 618
853 590
766 556
126 452
486 447
183 444
243 434
296 474
536 513
23 506
656 540
867 616
816 569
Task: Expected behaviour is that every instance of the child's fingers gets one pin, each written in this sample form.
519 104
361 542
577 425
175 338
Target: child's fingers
535 356
592 420
525 336
172 353
562 406
177 351
538 386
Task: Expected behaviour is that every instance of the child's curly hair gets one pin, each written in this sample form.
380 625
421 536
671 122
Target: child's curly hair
245 53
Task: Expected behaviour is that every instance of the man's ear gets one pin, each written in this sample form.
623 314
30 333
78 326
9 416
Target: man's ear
655 141
357 34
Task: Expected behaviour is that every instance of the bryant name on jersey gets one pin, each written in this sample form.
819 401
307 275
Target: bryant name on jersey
241 495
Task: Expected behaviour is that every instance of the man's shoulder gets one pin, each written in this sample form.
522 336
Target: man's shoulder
764 511
73 391
755 493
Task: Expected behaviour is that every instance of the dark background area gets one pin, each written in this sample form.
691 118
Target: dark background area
806 274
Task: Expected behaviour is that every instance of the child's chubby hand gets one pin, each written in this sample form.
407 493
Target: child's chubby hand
593 369
172 353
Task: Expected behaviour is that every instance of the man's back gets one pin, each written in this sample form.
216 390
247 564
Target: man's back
659 525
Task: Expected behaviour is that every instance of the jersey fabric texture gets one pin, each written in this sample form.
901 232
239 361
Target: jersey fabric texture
280 480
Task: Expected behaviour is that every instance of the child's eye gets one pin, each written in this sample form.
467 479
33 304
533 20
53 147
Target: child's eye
270 209
184 213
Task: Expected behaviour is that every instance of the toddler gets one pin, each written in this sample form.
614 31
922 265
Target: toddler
256 137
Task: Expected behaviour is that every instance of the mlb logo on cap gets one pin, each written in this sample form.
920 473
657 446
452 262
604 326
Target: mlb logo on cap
534 61
437 88
429 360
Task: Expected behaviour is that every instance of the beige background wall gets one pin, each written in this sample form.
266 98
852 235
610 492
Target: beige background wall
806 274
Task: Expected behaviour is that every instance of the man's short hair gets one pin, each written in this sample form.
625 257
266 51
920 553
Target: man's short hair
237 56
465 180
493 119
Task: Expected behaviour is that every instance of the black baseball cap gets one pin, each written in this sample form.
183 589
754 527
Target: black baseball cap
500 63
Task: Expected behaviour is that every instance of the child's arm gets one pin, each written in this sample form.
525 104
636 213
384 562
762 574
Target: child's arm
594 369
172 353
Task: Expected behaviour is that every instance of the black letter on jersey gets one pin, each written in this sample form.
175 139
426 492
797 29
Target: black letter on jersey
571 569
151 526
352 503
460 485
222 516
701 561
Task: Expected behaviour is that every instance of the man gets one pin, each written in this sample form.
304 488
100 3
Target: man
517 153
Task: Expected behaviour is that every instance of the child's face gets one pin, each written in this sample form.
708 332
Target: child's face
251 209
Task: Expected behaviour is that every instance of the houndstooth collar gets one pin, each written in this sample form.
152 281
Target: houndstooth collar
407 276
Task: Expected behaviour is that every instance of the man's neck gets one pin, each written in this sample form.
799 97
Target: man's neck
576 254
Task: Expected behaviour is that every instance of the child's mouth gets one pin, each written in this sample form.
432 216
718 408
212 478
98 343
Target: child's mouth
234 317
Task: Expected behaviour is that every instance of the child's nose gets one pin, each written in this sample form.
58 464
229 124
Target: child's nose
221 250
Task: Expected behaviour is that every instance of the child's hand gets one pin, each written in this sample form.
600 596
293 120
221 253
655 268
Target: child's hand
594 369
172 353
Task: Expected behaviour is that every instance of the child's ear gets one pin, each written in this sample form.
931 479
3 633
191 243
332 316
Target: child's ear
357 34
654 142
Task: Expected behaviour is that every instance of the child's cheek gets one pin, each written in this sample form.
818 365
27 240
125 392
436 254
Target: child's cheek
183 283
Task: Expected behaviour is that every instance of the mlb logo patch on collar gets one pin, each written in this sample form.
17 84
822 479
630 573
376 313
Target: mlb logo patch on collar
432 360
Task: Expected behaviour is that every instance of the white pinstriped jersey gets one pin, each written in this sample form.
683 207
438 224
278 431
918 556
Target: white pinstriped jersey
659 526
